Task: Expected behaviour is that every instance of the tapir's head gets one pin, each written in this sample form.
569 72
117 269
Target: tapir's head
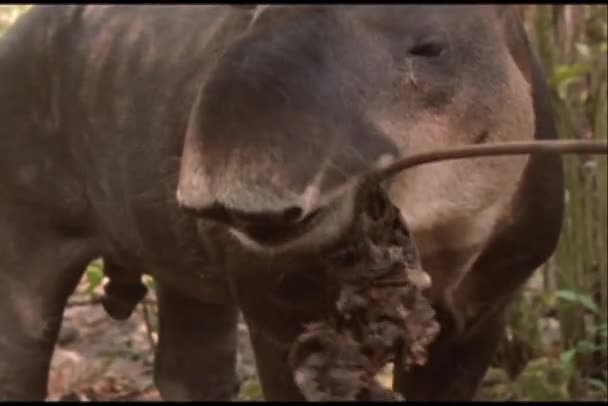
305 99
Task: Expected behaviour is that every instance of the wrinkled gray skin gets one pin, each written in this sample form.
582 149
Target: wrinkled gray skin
114 119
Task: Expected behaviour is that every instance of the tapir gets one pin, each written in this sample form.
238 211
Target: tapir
211 146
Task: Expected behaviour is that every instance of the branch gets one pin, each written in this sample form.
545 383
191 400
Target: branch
494 149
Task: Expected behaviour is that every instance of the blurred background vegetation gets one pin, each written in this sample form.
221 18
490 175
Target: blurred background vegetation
556 346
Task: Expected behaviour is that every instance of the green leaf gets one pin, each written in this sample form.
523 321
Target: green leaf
568 72
587 347
597 384
94 275
566 75
577 298
568 356
602 330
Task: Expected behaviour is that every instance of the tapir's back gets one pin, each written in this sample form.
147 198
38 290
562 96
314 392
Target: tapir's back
94 104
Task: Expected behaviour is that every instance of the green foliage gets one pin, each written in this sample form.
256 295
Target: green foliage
575 298
251 390
94 275
571 362
567 75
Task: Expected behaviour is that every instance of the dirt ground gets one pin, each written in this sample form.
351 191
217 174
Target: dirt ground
99 358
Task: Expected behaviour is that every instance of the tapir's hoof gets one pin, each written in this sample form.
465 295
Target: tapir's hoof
120 300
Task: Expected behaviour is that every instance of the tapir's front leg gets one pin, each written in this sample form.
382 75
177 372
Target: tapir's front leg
276 307
196 353
39 269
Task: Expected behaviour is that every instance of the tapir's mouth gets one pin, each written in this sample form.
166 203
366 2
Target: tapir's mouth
314 233
264 230
276 233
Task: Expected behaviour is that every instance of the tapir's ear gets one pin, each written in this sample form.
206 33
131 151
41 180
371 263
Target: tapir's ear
529 64
516 38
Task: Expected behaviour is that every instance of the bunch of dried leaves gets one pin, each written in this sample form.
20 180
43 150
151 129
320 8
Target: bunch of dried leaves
380 312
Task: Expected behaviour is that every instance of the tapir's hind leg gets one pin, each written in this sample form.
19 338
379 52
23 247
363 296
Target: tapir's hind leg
196 354
39 268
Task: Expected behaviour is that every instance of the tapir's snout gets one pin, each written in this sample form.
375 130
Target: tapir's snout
300 224
279 130
262 212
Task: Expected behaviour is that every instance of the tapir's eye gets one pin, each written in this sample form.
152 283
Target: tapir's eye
432 48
